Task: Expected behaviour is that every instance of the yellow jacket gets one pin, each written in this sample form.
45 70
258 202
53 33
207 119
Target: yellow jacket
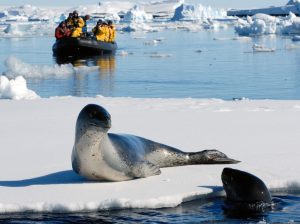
69 22
112 34
78 23
100 33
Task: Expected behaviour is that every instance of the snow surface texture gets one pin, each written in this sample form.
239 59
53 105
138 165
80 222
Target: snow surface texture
37 139
261 24
16 67
15 89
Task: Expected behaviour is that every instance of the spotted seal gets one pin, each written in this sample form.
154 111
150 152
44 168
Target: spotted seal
99 155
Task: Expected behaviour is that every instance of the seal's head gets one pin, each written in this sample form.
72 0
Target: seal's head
241 186
92 116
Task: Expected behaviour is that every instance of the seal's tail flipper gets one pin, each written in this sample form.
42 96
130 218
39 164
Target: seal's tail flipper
144 169
210 157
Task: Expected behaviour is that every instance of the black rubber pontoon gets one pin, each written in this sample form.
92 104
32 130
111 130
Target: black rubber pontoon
82 46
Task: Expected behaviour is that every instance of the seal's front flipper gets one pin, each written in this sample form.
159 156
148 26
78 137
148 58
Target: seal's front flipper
210 157
144 169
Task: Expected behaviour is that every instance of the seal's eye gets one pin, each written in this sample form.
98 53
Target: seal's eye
92 114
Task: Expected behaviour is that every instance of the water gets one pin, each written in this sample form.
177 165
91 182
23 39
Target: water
184 64
199 211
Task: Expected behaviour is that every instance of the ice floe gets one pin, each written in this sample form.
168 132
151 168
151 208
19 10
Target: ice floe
37 138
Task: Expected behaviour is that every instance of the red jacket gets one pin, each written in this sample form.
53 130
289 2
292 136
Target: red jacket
61 33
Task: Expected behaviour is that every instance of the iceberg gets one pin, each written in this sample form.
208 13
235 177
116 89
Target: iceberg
197 12
137 15
261 24
292 6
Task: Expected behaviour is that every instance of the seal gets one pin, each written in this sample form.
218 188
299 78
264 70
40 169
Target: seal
99 155
245 193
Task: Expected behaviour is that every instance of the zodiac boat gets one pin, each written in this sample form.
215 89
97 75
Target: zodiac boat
82 46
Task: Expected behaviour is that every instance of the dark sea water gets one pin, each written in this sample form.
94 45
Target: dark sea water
205 64
199 211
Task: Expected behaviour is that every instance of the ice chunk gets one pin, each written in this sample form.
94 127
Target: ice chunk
15 89
260 48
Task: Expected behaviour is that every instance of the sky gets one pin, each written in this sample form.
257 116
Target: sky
214 3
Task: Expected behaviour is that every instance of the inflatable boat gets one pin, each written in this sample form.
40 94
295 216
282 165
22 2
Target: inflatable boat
82 46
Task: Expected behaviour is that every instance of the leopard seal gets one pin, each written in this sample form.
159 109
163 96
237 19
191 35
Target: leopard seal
103 156
246 194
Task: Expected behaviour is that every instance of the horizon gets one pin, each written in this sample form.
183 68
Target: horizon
213 3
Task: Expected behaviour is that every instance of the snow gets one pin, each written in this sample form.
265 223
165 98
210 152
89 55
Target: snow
37 139
15 89
16 67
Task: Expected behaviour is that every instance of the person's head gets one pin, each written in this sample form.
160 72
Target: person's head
99 22
62 24
109 22
87 17
75 14
70 15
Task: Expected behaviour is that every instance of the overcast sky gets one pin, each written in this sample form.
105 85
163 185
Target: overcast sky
213 3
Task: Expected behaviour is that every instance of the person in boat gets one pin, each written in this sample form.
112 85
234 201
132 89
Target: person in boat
99 31
69 21
78 23
106 31
84 28
62 31
112 31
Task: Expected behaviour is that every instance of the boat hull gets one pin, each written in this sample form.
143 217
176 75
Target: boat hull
82 46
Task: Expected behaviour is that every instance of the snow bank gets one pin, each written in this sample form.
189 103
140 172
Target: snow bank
15 89
37 138
16 67
197 12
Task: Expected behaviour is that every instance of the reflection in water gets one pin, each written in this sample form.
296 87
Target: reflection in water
84 85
